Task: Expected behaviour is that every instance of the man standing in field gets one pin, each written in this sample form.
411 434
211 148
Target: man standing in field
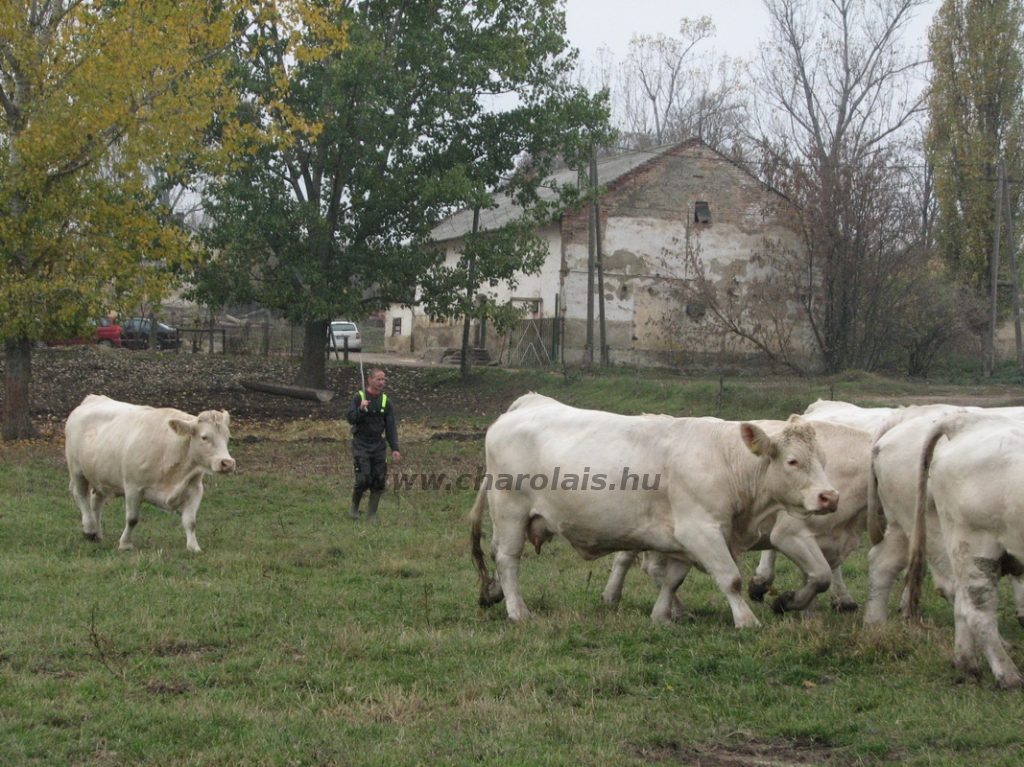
374 429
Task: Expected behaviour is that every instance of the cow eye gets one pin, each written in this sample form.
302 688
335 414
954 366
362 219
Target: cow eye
793 463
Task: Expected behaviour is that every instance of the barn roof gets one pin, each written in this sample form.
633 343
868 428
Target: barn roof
609 170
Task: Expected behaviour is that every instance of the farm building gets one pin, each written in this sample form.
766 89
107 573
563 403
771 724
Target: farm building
667 216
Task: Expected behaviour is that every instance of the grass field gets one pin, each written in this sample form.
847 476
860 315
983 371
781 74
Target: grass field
299 637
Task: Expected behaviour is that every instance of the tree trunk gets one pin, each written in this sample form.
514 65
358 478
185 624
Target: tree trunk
464 363
17 390
301 392
313 368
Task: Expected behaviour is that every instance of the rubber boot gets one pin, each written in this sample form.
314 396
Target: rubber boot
353 512
371 511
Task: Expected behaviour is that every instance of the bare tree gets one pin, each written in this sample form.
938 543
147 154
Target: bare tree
759 312
714 107
838 98
668 90
901 307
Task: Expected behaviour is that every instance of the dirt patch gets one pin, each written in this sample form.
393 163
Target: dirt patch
62 377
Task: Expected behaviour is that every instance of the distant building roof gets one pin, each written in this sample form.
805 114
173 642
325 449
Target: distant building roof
608 171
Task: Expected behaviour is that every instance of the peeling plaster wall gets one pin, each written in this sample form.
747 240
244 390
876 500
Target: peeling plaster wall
652 315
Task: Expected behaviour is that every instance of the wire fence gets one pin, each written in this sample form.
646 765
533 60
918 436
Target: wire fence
270 337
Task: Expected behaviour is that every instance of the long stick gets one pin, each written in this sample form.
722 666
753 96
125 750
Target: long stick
361 376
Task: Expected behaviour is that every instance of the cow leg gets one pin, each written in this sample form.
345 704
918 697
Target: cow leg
976 608
764 576
97 502
82 493
886 560
842 601
621 563
668 574
939 564
188 518
801 547
717 560
507 543
965 656
132 512
1017 584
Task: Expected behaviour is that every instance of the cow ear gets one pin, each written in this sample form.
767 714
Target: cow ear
184 428
756 440
227 417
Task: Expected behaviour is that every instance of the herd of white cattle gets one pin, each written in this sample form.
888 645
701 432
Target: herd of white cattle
934 486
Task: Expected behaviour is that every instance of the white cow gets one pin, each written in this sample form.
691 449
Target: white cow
892 504
823 541
697 488
892 500
848 414
974 483
156 455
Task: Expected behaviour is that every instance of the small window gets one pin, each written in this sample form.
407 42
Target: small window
532 305
396 326
702 213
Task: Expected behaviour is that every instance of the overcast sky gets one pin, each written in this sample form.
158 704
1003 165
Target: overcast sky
739 24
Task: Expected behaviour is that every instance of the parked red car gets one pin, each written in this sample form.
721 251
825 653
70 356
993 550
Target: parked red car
108 333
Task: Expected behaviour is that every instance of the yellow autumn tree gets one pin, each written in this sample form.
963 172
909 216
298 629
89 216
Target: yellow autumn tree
95 95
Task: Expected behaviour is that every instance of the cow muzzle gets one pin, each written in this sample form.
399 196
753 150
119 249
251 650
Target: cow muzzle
828 502
225 466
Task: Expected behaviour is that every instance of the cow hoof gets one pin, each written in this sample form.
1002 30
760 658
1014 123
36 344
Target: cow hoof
124 547
1009 681
784 603
1020 620
845 606
96 537
490 596
757 591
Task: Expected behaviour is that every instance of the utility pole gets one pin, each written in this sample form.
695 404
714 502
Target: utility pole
598 258
591 265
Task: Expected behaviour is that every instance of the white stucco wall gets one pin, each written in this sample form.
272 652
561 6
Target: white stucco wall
539 290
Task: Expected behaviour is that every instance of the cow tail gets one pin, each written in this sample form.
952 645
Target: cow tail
918 542
476 517
875 513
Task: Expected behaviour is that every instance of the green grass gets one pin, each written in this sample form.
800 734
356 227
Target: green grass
301 638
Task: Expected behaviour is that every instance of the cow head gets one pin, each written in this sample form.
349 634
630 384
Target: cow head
208 437
794 466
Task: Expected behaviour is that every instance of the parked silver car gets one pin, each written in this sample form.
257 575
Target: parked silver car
341 330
